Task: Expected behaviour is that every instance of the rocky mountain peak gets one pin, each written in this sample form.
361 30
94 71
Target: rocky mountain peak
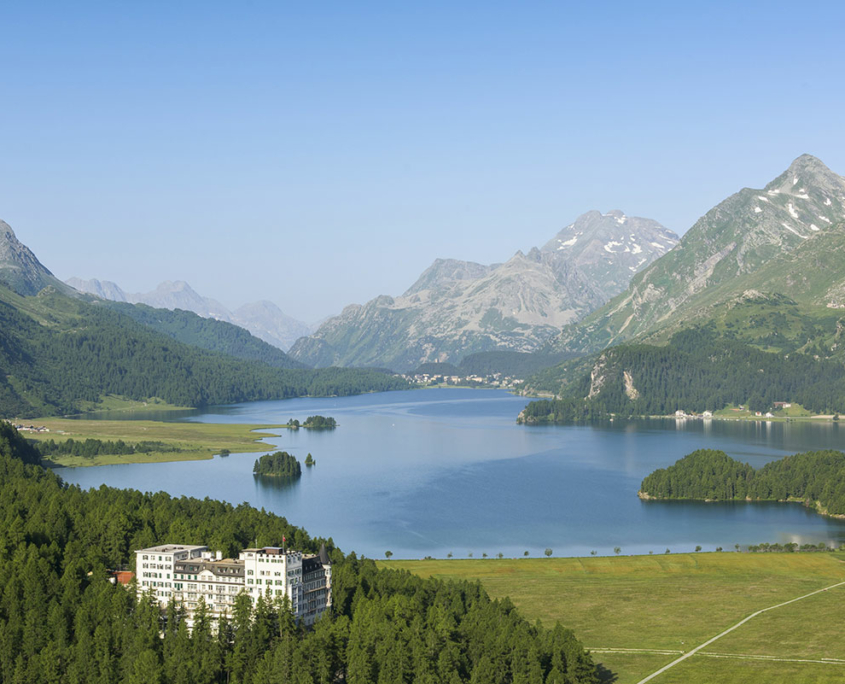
20 268
808 172
612 233
446 272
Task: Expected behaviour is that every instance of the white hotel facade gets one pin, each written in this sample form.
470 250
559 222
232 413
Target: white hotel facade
187 573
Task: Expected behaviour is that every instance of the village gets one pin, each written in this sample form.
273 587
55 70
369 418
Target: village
497 380
741 411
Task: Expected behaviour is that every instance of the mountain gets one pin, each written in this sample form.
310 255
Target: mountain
63 354
696 371
104 289
268 322
263 319
768 240
457 308
206 333
20 268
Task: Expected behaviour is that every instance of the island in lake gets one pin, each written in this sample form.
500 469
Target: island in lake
314 423
815 478
280 464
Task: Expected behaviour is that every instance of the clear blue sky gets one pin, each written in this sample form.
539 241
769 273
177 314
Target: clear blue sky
318 154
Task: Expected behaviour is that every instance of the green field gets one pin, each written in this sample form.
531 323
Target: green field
195 441
673 603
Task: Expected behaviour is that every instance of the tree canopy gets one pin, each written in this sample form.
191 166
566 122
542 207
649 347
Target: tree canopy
694 372
278 464
817 478
74 352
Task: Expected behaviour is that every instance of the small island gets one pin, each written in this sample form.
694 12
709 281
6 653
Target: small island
280 464
815 478
313 423
309 460
320 423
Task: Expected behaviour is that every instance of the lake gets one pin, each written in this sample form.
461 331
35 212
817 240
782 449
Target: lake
438 471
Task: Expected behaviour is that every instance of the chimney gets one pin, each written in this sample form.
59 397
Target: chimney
219 555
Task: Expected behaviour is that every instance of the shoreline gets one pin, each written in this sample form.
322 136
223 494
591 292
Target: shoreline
818 419
191 441
812 505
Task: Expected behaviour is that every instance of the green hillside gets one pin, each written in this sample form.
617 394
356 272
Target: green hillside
59 354
696 371
206 333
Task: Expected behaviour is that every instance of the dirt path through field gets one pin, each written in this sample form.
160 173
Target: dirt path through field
731 629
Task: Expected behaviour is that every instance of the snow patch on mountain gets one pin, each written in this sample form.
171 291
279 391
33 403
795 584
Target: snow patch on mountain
792 230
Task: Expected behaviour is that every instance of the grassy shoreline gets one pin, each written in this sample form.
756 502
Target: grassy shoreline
194 441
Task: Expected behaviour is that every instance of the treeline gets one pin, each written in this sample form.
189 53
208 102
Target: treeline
90 448
706 474
817 478
61 620
697 372
206 333
508 363
278 464
90 351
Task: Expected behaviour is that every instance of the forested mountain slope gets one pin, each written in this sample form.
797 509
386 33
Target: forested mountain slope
207 333
263 319
696 371
59 353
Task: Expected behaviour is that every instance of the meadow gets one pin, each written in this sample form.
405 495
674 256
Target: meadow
194 441
639 613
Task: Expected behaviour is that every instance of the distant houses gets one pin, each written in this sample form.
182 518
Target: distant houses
28 428
471 380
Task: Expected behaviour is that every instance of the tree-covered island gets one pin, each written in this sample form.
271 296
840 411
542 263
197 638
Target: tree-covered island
320 423
313 423
279 464
815 478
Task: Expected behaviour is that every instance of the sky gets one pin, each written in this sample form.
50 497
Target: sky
320 154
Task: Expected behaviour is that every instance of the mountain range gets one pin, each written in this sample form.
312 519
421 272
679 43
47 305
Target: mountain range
456 308
765 269
774 243
62 351
263 319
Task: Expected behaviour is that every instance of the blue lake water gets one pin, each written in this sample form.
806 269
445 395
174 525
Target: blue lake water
431 472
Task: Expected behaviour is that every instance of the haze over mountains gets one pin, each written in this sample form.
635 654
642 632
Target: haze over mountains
456 307
263 319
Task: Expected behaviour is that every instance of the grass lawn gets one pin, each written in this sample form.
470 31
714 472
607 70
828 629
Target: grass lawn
670 602
704 670
821 619
195 440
